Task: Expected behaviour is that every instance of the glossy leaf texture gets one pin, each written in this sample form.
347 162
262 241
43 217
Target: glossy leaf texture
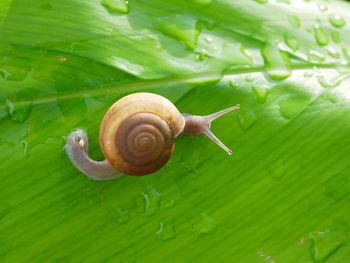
284 194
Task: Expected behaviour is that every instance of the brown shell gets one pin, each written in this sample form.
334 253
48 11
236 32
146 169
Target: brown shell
138 132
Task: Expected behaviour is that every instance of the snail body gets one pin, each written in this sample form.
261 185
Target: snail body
137 136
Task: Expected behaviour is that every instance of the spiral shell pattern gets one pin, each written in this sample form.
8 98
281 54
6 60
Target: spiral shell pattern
146 142
137 134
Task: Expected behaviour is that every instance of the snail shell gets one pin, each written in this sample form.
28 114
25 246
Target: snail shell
137 134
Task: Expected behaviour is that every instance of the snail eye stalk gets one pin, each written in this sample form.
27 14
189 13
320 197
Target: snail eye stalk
201 125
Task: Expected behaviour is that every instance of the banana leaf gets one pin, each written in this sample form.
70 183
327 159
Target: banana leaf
282 196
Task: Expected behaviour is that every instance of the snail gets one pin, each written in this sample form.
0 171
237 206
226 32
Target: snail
137 136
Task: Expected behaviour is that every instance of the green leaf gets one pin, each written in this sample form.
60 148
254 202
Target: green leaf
284 194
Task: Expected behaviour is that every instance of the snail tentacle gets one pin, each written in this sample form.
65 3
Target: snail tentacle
77 150
215 139
201 125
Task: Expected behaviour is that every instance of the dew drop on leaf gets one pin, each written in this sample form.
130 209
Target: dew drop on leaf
16 68
324 244
25 148
294 21
180 27
335 36
5 74
170 204
330 97
246 119
261 93
315 56
166 230
151 198
336 20
291 41
291 107
201 56
322 7
233 83
326 83
205 225
208 40
116 6
20 112
120 215
249 78
321 36
277 62
247 53
333 52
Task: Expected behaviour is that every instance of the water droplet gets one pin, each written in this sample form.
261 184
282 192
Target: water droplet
261 1
337 20
276 62
5 74
326 83
333 52
170 204
206 225
233 83
291 42
330 97
25 148
324 244
321 36
249 78
346 53
292 106
202 56
247 53
116 6
208 40
294 21
246 119
166 230
120 215
322 7
335 36
261 93
316 56
20 112
4 209
16 68
181 27
151 199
